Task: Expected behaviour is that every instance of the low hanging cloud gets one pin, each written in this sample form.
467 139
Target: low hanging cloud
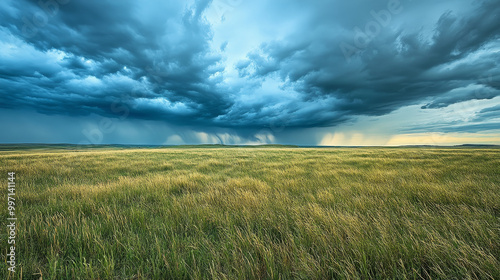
157 60
90 55
395 69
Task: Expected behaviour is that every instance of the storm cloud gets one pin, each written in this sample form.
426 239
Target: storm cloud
249 65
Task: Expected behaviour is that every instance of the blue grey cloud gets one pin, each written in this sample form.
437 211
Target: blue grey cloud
90 56
257 65
396 68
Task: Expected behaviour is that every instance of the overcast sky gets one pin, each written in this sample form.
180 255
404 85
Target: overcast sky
328 72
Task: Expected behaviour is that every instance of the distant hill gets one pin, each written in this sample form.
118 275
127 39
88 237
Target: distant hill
13 147
41 146
478 146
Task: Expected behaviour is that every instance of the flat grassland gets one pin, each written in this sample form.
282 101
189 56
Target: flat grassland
255 213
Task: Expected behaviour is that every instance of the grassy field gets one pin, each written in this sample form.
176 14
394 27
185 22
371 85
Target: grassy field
255 213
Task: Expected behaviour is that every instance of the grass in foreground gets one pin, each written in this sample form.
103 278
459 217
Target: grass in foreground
249 213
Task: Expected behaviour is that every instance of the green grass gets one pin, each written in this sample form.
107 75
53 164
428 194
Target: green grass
255 213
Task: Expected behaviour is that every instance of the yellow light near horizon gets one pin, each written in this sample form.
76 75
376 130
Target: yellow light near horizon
352 139
360 139
443 139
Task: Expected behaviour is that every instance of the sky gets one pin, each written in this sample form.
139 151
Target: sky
329 72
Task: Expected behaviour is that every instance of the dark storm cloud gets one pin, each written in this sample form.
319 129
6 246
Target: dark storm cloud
462 94
111 52
156 61
396 68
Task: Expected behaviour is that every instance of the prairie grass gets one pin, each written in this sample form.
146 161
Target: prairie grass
255 213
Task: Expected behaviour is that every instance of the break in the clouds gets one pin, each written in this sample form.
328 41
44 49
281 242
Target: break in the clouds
235 71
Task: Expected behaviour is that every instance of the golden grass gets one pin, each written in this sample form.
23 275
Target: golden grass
257 213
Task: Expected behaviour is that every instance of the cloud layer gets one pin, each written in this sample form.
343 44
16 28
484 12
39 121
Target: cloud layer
249 64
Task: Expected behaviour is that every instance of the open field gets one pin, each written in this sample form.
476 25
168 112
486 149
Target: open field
255 213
